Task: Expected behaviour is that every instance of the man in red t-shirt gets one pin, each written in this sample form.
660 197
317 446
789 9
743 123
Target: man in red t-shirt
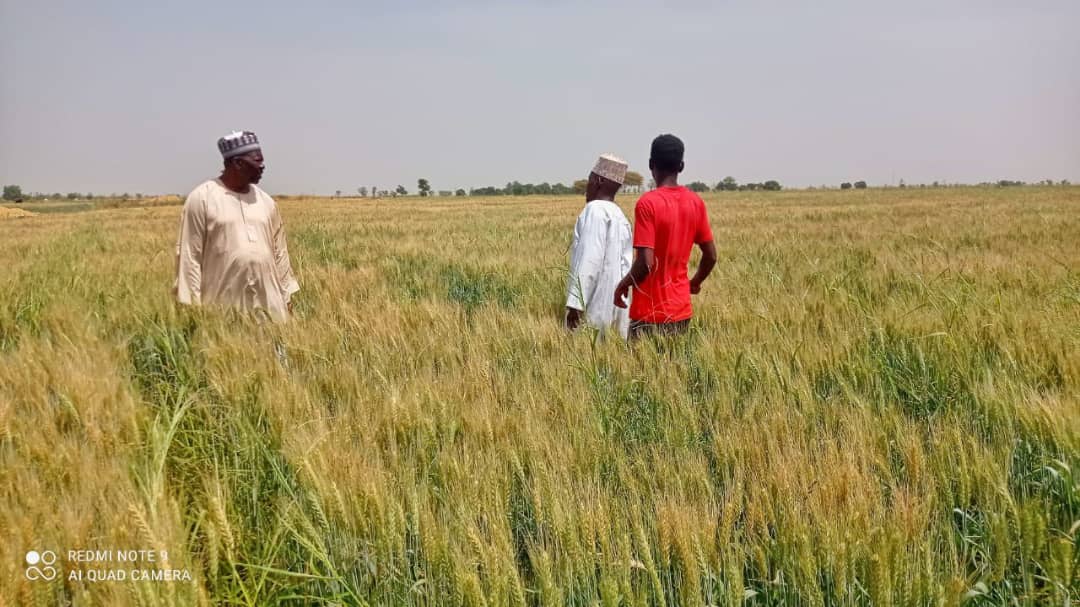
668 222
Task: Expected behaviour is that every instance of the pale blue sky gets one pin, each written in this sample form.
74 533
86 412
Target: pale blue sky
116 96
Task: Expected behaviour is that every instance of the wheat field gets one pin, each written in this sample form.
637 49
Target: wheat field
878 404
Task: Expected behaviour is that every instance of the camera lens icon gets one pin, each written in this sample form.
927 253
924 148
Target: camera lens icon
40 565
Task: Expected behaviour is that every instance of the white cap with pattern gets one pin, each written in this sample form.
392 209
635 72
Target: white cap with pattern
610 166
236 143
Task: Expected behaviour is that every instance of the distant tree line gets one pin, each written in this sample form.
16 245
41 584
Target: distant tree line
514 188
1010 184
729 184
634 182
14 193
1003 183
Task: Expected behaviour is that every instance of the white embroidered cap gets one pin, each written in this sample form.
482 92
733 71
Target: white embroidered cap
236 143
611 167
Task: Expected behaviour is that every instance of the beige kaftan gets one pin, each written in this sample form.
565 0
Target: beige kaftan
232 251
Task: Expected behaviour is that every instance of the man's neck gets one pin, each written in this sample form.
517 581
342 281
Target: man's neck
234 183
671 181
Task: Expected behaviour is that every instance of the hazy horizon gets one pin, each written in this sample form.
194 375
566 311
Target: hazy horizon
126 97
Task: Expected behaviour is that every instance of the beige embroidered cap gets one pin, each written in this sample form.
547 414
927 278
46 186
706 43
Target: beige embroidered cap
611 167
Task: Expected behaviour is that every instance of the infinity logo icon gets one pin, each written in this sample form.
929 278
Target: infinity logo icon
40 566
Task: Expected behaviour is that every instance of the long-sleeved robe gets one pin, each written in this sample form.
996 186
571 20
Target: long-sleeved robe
600 256
232 251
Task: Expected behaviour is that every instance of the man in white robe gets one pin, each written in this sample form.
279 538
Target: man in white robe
601 252
232 250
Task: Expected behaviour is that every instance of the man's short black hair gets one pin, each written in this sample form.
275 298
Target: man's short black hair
667 152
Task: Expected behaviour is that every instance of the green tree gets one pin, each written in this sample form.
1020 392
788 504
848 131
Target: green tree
860 185
459 192
362 192
401 191
580 185
728 184
698 186
424 187
634 179
771 185
12 192
845 186
73 196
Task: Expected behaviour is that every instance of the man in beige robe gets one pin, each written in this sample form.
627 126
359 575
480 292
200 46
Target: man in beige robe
232 249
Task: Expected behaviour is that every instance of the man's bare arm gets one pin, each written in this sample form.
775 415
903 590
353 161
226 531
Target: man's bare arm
644 262
708 261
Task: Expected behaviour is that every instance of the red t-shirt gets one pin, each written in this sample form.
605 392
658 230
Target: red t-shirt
670 221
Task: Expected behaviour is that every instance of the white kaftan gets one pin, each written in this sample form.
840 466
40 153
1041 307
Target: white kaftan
600 256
